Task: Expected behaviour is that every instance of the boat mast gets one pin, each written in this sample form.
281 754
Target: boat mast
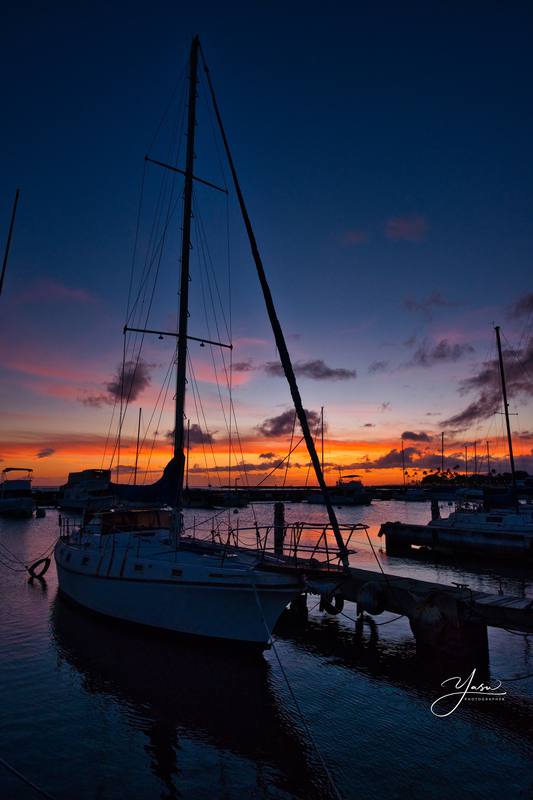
322 437
506 407
181 367
137 448
9 235
278 335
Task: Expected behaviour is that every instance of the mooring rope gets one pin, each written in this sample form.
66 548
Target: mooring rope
319 755
25 780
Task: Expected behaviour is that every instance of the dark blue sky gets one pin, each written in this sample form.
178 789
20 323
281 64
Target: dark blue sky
385 154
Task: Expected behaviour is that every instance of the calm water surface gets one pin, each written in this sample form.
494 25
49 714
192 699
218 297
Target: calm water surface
94 711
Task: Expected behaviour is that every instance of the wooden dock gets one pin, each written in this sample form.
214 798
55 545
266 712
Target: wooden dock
447 620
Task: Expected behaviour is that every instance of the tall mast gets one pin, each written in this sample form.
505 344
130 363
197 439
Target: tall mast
506 406
279 337
442 452
8 243
488 459
181 368
322 436
403 465
137 448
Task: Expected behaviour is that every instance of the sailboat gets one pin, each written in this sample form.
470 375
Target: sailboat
143 565
502 531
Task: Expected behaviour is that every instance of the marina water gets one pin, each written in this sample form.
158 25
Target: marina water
95 710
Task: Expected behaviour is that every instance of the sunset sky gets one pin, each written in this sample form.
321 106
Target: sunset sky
386 160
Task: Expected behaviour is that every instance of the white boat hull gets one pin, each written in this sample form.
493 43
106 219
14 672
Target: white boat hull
242 608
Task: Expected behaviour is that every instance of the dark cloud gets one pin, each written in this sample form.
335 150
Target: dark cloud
522 307
131 381
416 437
411 228
369 425
195 434
243 366
282 424
243 466
267 455
95 400
413 458
317 370
45 452
426 307
428 355
377 366
487 383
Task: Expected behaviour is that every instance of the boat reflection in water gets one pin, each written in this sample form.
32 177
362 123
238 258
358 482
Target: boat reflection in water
175 691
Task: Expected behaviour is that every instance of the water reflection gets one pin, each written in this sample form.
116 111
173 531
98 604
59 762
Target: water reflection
171 690
396 661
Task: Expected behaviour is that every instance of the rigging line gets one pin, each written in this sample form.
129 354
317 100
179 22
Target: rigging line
206 427
156 404
136 239
168 379
299 710
228 425
290 449
202 440
167 184
204 94
515 355
309 465
376 557
25 780
210 266
180 84
138 357
244 474
278 465
108 432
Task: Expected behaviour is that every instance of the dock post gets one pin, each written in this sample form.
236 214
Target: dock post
279 527
441 630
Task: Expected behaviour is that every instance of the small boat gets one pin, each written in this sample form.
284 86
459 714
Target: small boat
142 565
88 489
505 533
16 499
347 492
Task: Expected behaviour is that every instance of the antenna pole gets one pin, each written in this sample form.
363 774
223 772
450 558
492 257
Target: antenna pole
322 435
279 337
442 452
137 449
488 460
188 450
466 461
403 465
9 235
181 367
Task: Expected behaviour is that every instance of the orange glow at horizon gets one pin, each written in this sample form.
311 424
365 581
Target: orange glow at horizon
72 454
